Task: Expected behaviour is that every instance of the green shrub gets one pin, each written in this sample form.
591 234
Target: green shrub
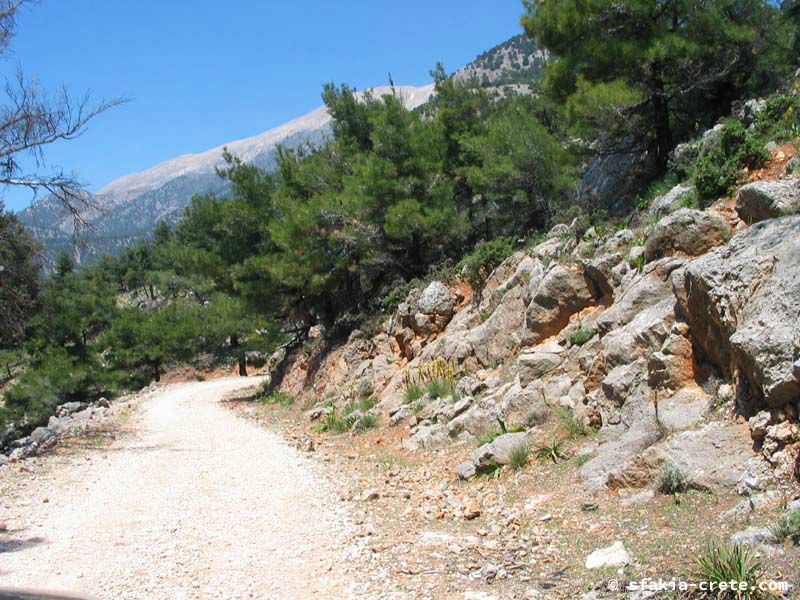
485 258
672 480
716 173
439 388
579 338
518 456
725 563
366 422
366 403
788 527
413 393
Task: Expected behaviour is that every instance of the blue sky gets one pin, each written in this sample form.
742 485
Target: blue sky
202 73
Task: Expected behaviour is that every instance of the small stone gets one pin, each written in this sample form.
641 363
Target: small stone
614 556
471 510
589 506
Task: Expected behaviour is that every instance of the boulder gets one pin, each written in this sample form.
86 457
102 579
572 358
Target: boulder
436 300
671 201
686 231
620 380
498 452
742 303
535 365
69 408
759 424
561 293
614 556
645 334
599 273
762 200
753 536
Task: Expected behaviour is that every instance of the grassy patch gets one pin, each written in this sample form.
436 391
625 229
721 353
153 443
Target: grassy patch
279 398
518 457
413 393
572 425
439 388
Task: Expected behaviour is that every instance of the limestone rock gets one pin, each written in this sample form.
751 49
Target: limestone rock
498 452
535 365
436 300
742 301
671 201
561 293
612 557
762 200
686 231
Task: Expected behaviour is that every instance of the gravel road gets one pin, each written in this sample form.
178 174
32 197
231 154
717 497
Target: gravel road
194 502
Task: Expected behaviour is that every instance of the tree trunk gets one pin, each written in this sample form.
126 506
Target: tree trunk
242 365
663 130
156 372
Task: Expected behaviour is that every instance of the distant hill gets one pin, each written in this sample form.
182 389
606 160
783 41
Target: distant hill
131 206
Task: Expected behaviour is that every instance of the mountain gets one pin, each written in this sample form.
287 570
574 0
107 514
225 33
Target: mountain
129 208
515 65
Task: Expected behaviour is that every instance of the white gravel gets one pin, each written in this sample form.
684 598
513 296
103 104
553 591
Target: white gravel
196 503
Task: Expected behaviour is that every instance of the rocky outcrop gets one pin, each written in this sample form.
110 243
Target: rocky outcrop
686 232
768 199
561 293
742 303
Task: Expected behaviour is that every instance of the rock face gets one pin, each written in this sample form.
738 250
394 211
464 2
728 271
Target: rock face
742 303
686 231
768 199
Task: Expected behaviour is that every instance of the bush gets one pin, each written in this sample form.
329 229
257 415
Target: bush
788 527
518 457
579 338
724 563
485 258
716 173
672 480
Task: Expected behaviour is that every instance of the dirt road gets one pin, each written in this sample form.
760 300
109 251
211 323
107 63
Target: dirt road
194 502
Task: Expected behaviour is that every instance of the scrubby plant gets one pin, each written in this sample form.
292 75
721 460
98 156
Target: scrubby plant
366 422
672 480
439 388
553 451
518 456
717 171
366 403
788 527
579 338
730 562
572 424
412 393
476 266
